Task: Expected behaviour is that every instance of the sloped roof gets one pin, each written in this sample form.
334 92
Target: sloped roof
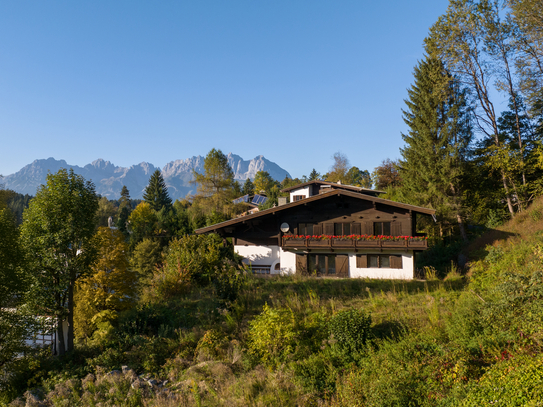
328 194
335 185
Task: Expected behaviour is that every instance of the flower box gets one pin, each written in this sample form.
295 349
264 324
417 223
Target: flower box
393 243
294 242
343 243
418 243
368 243
319 243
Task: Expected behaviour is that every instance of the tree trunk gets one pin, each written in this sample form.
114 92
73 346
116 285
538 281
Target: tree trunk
507 197
71 314
60 337
462 228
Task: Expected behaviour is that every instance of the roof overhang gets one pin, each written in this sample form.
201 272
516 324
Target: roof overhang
332 193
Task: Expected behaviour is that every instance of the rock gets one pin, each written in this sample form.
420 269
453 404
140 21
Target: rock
114 373
125 369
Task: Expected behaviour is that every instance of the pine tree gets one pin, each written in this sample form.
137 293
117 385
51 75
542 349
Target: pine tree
313 175
248 187
156 193
124 210
436 145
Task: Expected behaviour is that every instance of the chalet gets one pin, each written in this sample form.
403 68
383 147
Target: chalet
329 229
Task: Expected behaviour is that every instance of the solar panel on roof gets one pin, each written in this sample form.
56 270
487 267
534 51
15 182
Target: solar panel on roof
259 199
244 198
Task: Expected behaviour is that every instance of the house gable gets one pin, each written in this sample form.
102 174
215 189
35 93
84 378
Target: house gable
322 212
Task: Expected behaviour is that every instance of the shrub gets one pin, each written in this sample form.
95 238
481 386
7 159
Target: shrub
272 334
351 329
515 382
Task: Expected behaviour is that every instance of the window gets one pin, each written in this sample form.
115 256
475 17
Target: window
322 264
297 197
379 261
306 229
381 228
342 229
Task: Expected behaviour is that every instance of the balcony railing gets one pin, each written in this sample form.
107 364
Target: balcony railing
335 243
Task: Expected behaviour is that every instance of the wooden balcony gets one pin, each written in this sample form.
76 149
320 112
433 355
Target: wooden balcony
413 244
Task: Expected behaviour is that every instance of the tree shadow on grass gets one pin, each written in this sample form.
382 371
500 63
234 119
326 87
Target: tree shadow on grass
477 249
391 330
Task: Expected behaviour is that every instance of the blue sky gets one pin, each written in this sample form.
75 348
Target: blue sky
133 81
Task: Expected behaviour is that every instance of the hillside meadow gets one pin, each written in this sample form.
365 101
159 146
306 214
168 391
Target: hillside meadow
472 337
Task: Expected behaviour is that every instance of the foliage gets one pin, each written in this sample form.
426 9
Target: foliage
514 381
110 288
433 160
15 325
142 222
338 171
263 182
189 260
351 329
156 192
146 257
57 231
106 209
248 187
272 334
358 178
217 181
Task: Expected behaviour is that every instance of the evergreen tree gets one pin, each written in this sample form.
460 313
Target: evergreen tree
248 187
156 193
436 146
313 175
124 210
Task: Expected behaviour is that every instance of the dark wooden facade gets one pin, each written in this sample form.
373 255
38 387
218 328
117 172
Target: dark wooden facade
331 213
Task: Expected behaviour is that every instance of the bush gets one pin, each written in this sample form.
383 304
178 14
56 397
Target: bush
515 382
351 329
272 335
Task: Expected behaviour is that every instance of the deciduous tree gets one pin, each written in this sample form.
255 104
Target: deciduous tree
216 183
109 288
57 232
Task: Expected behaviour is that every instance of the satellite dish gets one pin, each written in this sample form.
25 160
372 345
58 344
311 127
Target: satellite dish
285 227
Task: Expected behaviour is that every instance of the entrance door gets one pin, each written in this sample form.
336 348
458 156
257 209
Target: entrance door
301 264
342 265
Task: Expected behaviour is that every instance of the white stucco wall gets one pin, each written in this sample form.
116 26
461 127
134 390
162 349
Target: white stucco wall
405 273
271 255
288 262
260 255
301 191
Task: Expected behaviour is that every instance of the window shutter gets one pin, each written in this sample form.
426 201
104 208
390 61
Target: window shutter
396 229
328 228
301 264
342 266
362 261
317 229
396 262
356 229
368 228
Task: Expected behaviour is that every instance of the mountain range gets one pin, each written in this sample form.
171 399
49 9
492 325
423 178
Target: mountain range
109 178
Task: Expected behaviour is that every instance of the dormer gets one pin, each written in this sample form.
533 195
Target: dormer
316 187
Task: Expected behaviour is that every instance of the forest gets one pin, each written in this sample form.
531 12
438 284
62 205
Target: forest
149 314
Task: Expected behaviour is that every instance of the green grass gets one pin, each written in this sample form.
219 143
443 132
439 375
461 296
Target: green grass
464 340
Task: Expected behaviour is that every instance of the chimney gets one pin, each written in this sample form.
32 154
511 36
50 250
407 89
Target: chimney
282 200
